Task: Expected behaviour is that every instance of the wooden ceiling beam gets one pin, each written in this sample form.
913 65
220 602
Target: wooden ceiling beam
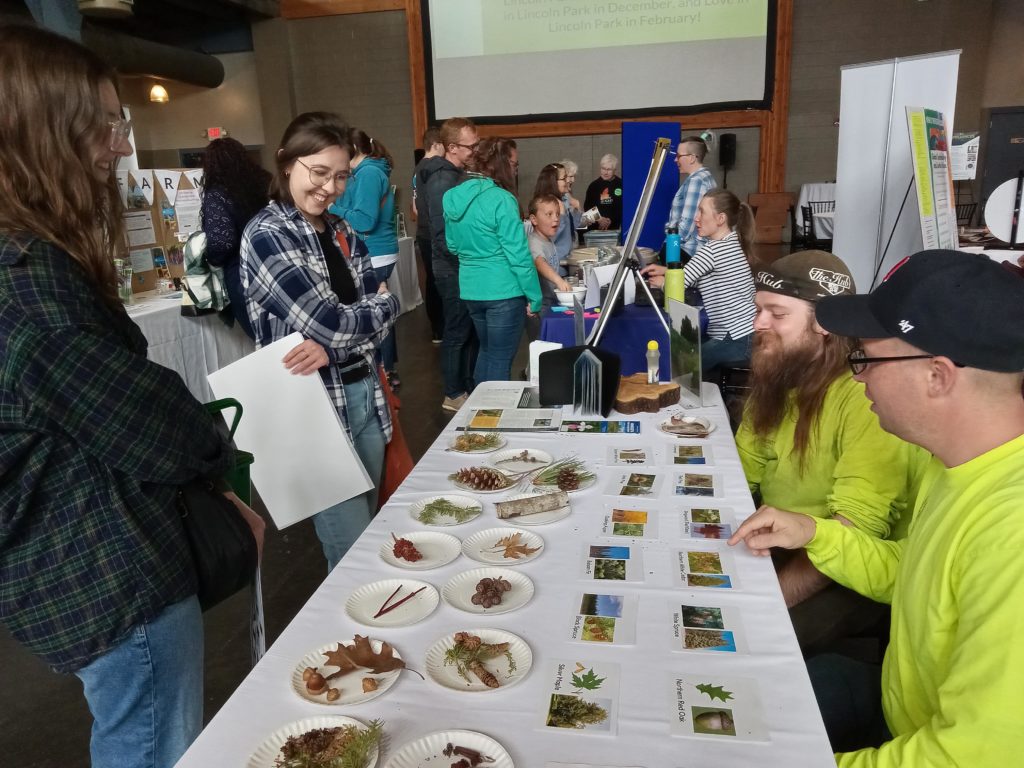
308 9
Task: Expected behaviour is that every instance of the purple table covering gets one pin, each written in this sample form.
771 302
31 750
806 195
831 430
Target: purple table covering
626 335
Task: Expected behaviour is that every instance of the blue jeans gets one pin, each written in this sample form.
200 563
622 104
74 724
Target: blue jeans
499 327
339 526
459 343
389 346
714 352
146 694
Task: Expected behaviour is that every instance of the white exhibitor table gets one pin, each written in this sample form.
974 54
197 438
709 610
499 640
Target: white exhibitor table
763 687
193 346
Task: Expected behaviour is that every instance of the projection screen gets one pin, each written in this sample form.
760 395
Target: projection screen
534 60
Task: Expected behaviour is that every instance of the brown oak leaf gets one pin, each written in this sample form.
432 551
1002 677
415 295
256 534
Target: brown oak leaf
361 654
511 547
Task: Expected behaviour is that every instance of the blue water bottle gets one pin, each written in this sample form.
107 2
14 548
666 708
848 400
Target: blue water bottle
671 244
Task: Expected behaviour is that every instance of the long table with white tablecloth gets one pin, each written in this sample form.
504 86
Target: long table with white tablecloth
194 347
763 685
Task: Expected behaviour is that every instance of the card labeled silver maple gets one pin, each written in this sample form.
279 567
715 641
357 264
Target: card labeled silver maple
582 695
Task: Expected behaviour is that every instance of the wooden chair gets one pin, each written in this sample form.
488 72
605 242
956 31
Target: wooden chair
771 211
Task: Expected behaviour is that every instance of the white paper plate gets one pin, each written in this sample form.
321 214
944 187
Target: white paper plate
512 460
479 545
437 549
459 590
444 520
522 656
502 442
427 750
696 421
552 487
541 518
513 479
267 752
350 684
367 600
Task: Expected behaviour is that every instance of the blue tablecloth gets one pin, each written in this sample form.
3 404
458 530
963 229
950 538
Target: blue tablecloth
626 335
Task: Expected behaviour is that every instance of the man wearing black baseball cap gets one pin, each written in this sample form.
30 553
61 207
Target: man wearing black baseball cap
809 442
942 360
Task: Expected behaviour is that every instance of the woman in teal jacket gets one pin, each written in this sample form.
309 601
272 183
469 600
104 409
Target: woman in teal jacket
368 205
497 278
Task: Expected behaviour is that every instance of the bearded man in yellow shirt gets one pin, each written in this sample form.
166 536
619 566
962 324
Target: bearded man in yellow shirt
809 442
942 359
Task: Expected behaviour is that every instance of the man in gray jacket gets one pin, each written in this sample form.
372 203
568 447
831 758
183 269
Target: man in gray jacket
435 177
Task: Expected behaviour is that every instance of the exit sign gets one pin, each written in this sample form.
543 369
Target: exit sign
215 133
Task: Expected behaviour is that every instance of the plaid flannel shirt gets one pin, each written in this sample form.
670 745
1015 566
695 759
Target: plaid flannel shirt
684 208
94 441
288 289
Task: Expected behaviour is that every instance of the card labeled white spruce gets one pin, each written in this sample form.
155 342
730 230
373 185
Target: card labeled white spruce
706 628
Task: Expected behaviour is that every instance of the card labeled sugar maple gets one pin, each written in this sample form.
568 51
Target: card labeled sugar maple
627 522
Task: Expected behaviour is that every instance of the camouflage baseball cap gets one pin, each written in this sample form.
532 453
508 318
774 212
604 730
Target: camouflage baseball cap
807 275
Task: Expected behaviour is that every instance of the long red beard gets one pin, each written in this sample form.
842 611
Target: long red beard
776 373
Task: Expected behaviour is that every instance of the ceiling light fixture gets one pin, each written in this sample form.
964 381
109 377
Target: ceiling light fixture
158 94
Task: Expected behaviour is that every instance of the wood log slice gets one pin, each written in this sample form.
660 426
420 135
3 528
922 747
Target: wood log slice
635 395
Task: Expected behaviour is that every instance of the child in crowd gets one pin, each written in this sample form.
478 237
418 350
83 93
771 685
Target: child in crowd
545 211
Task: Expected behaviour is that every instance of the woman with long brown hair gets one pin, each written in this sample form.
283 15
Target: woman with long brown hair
304 270
97 575
497 278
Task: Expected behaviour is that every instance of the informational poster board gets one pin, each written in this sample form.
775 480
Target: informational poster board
876 221
638 143
161 210
930 152
963 155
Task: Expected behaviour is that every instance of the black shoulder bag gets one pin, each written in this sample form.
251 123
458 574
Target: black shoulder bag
222 544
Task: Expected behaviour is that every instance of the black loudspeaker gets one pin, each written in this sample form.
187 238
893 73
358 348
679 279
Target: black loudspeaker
727 150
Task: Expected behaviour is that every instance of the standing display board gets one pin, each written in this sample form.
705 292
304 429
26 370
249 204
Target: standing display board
875 214
932 178
638 141
161 210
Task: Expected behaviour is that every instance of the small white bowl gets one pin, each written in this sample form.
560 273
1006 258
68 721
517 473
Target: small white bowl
565 298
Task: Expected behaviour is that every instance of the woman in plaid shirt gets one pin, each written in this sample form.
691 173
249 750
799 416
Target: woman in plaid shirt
96 576
304 270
